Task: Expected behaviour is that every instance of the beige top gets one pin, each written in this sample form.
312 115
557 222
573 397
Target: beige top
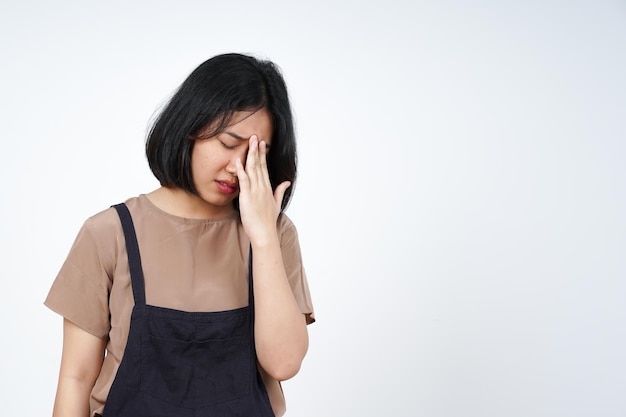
188 264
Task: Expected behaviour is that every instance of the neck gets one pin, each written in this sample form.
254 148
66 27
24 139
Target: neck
180 203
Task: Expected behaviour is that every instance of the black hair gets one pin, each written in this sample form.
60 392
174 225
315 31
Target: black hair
209 97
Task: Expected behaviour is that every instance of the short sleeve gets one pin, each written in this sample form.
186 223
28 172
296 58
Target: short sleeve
80 292
292 258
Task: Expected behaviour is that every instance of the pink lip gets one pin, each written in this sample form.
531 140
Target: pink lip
227 187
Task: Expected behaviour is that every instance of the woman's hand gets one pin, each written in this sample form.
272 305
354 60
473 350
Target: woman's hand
259 207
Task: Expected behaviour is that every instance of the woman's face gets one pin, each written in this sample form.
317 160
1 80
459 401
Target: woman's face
213 159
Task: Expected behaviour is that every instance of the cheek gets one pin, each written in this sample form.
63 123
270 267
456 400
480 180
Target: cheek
206 160
200 160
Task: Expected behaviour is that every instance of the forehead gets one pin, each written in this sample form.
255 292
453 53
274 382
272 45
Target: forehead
247 123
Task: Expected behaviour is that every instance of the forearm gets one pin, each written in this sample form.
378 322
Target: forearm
80 365
280 332
280 327
72 398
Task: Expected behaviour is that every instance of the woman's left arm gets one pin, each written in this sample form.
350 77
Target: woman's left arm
280 327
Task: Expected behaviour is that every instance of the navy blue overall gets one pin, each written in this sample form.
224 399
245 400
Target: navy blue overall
185 364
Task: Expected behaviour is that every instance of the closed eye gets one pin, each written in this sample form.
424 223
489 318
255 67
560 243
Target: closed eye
227 146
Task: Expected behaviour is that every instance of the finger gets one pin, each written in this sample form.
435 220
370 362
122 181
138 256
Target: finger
263 169
263 154
279 193
252 159
253 152
244 181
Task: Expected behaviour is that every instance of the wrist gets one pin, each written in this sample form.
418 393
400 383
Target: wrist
265 241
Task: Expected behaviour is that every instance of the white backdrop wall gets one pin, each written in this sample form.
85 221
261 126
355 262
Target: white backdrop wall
461 202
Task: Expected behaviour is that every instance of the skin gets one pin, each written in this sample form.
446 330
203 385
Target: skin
81 361
237 156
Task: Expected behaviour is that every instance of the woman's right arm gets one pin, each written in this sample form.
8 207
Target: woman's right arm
81 362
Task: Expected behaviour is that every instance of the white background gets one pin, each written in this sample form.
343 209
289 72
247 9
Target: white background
461 203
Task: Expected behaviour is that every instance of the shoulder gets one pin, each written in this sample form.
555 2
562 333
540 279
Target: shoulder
103 222
107 221
286 230
102 234
284 222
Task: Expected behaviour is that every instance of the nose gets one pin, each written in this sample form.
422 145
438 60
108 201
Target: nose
231 168
240 153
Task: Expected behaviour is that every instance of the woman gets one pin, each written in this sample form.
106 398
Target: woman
192 300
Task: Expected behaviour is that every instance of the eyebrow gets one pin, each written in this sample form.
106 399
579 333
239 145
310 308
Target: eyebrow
236 136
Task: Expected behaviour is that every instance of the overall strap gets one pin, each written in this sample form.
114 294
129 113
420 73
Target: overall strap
250 284
132 249
251 302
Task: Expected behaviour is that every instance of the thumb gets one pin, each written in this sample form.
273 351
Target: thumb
279 193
